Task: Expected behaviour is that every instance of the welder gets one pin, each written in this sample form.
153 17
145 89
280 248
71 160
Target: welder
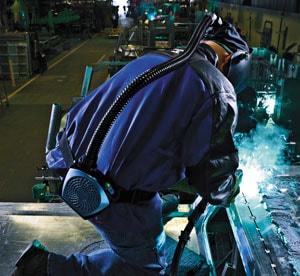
180 125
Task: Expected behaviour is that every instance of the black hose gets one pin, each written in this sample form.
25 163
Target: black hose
89 161
185 235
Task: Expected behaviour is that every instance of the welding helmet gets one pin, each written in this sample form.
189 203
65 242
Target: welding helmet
238 67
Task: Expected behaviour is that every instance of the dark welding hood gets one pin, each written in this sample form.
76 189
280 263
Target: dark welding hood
227 36
239 69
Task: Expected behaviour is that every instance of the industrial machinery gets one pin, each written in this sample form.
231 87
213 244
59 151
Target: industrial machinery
54 22
47 191
274 81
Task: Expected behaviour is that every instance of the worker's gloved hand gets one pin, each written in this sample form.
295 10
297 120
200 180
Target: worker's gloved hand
235 190
217 179
226 189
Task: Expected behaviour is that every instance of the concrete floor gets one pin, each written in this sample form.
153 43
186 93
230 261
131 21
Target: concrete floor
24 124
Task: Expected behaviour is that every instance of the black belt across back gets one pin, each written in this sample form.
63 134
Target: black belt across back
134 196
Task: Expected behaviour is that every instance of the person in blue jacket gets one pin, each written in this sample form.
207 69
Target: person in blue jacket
181 125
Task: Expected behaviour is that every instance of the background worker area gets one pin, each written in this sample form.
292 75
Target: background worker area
179 125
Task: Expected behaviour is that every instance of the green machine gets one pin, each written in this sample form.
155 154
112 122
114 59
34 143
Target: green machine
47 190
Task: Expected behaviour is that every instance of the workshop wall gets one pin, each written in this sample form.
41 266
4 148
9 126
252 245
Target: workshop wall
257 23
283 5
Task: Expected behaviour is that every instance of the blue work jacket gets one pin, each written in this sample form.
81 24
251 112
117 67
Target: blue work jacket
167 126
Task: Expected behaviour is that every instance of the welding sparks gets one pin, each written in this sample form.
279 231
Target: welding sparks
259 153
269 180
250 179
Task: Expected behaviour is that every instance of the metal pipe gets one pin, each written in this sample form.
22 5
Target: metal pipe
54 124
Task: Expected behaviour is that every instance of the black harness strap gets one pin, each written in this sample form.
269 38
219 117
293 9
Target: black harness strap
135 196
66 150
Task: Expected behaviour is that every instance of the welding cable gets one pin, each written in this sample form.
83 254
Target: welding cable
185 235
89 160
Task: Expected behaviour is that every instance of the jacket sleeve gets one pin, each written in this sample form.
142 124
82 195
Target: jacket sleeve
214 177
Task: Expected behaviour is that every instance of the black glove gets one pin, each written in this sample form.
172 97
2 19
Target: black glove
216 179
235 190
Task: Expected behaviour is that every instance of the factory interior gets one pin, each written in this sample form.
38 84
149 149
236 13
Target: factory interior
54 53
